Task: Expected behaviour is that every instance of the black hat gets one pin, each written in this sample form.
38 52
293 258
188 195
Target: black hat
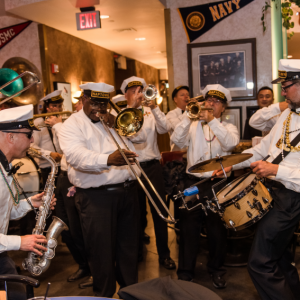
177 89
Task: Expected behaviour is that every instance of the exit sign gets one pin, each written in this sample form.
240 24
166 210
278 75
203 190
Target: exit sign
88 20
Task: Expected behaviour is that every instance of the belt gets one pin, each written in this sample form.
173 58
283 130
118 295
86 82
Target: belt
149 163
119 186
272 183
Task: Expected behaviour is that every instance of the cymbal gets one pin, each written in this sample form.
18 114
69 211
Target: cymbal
214 163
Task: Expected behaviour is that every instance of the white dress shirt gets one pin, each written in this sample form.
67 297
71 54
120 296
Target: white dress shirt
174 117
87 146
155 121
265 118
288 172
195 136
9 211
43 142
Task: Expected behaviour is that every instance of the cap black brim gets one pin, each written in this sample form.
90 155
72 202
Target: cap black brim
278 80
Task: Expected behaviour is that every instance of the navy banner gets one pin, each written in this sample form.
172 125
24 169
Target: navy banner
201 18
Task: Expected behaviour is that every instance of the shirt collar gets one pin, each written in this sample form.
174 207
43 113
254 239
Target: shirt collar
4 161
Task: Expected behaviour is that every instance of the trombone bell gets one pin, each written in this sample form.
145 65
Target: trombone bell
129 121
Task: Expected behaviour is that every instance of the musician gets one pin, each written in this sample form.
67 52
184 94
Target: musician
16 128
155 122
205 138
44 140
270 262
106 190
265 98
78 104
181 97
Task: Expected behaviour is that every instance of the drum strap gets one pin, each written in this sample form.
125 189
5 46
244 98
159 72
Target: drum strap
51 136
281 155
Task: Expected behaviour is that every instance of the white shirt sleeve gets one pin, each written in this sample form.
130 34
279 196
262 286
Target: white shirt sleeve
174 119
228 136
9 242
265 118
20 210
139 138
162 125
37 136
181 135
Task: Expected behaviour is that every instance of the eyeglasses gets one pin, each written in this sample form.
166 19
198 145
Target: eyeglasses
28 134
214 101
284 88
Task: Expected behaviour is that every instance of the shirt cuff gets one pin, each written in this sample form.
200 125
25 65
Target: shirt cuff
283 173
47 152
13 242
275 108
57 126
214 123
102 160
25 205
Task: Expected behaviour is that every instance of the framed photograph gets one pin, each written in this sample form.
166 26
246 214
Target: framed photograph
233 115
66 94
251 110
229 63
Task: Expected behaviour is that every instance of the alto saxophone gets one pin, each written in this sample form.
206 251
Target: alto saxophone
34 263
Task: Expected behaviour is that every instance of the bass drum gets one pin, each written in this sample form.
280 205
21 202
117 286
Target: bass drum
28 176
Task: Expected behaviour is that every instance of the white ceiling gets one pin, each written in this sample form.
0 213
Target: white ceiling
146 16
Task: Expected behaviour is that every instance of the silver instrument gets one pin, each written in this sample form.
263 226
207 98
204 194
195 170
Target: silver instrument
172 220
150 93
34 263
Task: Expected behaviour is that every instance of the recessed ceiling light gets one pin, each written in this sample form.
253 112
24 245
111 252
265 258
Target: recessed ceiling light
104 17
140 39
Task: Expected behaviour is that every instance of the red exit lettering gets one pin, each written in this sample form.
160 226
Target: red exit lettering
88 20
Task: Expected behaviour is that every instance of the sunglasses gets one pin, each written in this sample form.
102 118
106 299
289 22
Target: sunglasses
28 134
284 88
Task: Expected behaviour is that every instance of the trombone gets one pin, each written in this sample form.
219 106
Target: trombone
52 114
36 81
119 133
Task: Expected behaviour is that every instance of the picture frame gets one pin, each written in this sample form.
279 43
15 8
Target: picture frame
251 110
229 63
233 115
66 94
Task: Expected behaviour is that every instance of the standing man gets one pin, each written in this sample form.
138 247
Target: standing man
270 262
44 140
106 191
266 112
16 128
181 97
205 138
78 104
155 122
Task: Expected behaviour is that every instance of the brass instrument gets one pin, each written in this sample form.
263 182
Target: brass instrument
122 114
52 114
150 93
194 109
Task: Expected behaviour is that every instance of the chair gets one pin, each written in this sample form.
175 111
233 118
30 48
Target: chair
170 156
29 282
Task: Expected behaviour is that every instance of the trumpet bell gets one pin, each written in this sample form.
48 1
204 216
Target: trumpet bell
150 92
7 75
129 121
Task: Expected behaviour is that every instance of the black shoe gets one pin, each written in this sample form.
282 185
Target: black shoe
218 281
86 283
146 238
168 263
80 273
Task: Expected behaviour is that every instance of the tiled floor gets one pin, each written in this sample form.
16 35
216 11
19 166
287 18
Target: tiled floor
239 284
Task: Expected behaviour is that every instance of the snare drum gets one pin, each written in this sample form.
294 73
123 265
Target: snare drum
246 204
28 176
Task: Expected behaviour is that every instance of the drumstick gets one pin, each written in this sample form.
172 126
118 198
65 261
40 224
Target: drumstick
244 178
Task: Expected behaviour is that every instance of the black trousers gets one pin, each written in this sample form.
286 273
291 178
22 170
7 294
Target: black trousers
67 212
270 261
190 227
110 226
153 170
15 291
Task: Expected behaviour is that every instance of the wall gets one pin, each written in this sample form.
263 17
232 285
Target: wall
150 74
243 24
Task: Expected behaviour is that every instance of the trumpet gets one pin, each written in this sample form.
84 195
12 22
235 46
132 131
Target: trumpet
194 109
149 93
120 116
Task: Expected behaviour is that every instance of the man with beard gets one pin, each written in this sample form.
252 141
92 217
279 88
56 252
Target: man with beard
270 262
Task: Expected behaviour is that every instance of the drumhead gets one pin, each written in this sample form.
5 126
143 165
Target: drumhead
221 195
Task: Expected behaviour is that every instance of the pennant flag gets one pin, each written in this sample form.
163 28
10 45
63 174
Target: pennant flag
7 34
201 18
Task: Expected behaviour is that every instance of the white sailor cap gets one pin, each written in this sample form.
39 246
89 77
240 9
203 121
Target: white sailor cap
288 69
132 81
119 100
79 95
54 97
17 118
217 91
97 91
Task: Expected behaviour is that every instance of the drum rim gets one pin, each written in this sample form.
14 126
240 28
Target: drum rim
238 196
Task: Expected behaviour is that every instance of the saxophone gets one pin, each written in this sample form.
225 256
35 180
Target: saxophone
34 263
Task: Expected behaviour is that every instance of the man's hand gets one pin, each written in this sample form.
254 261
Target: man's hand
264 168
52 120
31 243
219 173
136 101
56 156
150 104
36 200
283 105
206 115
116 158
108 119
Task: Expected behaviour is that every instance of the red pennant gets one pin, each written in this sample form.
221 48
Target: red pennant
7 34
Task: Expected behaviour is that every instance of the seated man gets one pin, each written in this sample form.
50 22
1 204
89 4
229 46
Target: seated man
265 98
205 138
